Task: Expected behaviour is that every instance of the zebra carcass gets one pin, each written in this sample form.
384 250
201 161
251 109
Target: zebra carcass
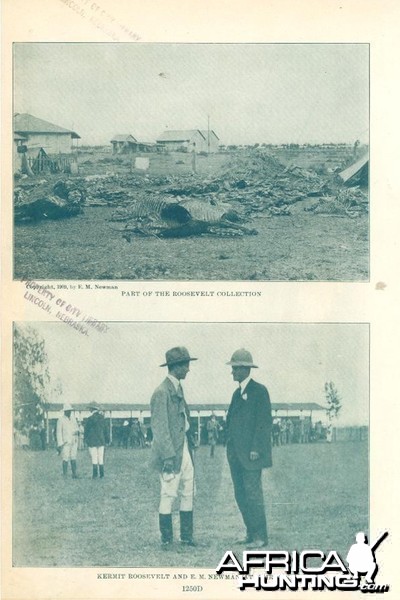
166 218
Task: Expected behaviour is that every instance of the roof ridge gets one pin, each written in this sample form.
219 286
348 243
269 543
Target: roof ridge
27 123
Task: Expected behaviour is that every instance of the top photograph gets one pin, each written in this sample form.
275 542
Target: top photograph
191 162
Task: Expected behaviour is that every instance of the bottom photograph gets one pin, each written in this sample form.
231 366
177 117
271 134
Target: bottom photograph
151 444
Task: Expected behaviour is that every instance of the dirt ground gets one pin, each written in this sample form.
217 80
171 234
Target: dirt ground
299 247
302 246
316 497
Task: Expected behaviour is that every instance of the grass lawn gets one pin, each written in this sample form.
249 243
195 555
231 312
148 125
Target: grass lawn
316 497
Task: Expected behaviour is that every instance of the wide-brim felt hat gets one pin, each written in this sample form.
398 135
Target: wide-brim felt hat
242 358
177 355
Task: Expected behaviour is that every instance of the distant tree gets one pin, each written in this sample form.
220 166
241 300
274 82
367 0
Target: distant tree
333 400
31 377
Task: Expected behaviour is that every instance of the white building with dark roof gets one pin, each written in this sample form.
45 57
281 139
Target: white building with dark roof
189 139
38 133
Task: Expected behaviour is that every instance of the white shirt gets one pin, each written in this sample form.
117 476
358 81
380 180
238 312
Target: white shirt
243 385
176 383
174 380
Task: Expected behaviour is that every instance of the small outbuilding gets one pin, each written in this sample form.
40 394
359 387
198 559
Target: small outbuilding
125 143
189 140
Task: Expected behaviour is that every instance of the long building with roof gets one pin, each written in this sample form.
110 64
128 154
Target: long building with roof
119 413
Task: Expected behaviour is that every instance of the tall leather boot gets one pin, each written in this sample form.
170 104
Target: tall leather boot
165 522
101 469
95 472
73 468
186 522
65 468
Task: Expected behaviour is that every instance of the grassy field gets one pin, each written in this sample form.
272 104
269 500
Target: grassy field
316 497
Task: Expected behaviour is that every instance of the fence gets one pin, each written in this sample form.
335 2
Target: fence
44 164
350 434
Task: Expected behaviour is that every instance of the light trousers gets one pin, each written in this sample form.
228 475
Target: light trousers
69 450
182 483
97 455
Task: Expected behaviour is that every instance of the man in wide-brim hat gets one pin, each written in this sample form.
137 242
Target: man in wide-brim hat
173 447
249 423
96 435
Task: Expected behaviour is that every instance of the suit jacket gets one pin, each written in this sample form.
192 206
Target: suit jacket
96 432
249 424
168 424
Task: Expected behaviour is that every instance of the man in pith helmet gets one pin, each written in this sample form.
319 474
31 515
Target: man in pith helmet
67 440
249 424
172 447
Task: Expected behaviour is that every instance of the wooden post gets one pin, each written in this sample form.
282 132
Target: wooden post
208 134
198 428
47 428
194 167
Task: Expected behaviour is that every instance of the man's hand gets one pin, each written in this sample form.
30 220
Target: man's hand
254 455
59 448
168 466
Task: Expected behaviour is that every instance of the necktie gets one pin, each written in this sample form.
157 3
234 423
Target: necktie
180 391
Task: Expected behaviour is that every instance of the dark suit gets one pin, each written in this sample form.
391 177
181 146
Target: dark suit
249 423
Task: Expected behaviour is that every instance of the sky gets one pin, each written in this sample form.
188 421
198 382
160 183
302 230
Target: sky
294 360
252 93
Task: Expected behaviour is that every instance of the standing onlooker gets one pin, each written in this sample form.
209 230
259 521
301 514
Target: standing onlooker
283 432
96 437
249 424
126 427
80 436
290 431
35 441
212 429
149 435
276 432
173 447
67 440
43 435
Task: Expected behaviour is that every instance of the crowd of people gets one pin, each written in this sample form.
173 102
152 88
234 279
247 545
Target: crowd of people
131 433
297 431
